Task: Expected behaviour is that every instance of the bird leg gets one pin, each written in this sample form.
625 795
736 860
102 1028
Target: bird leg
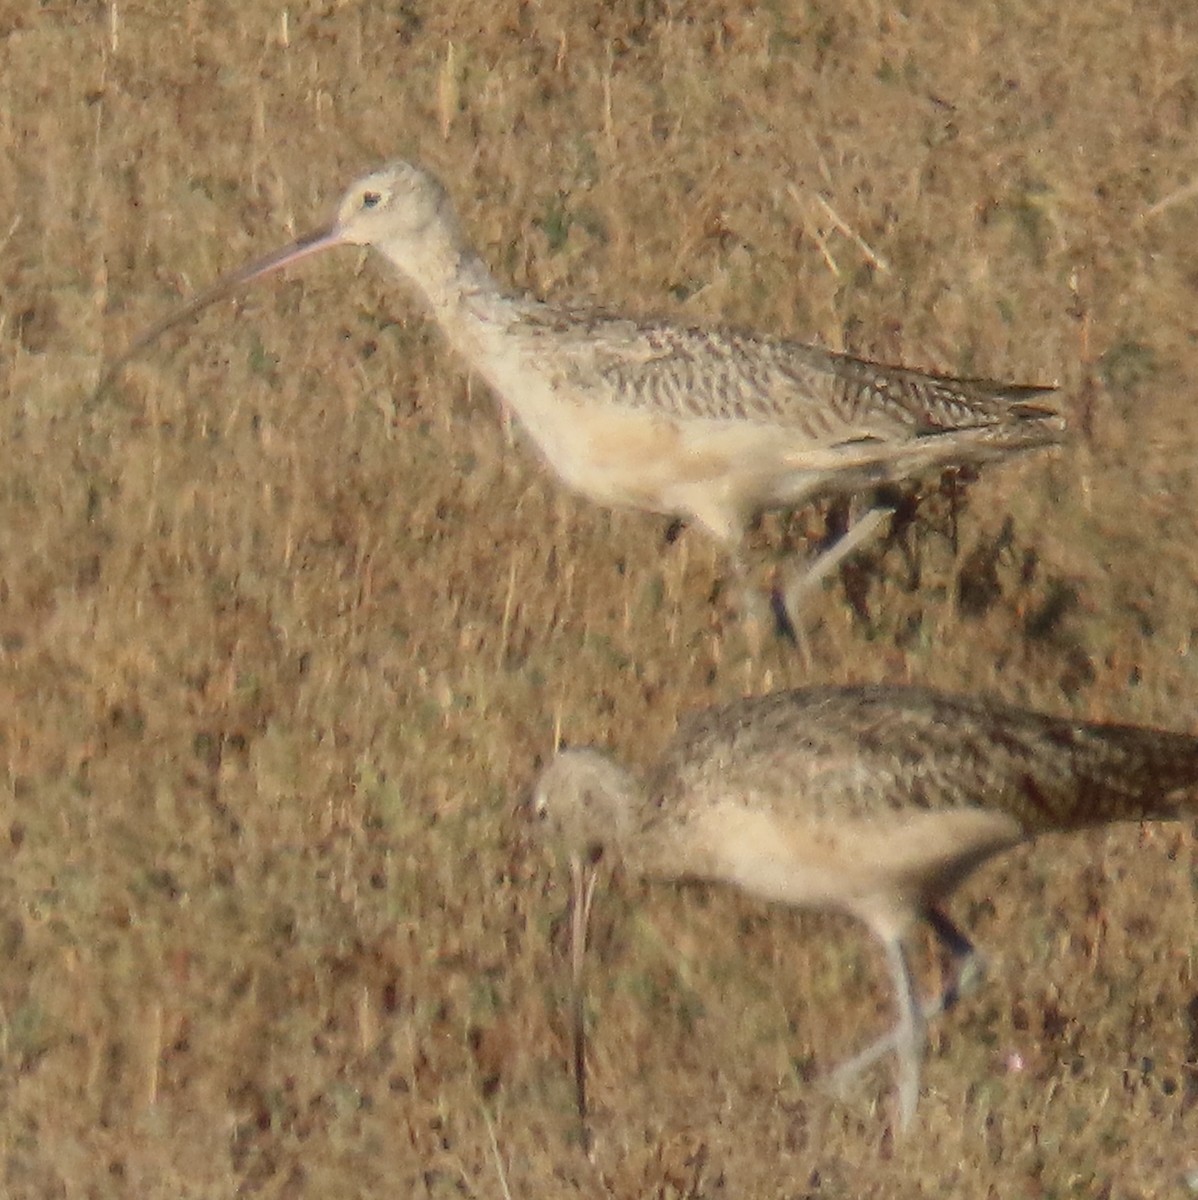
910 1031
967 971
583 879
827 560
968 966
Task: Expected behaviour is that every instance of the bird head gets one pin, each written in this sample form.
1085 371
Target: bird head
585 800
396 203
396 207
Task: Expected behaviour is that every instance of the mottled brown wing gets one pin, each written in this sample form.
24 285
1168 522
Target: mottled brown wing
727 375
872 751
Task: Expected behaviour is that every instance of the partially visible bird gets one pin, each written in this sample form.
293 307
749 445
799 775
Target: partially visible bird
874 801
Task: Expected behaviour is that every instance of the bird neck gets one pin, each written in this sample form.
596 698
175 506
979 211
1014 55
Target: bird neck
443 267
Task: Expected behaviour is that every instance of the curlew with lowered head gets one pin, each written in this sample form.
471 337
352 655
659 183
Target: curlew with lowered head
873 801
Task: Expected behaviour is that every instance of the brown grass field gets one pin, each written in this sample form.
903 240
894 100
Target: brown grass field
289 619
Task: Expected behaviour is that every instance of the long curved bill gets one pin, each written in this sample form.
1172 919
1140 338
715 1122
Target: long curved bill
312 243
583 878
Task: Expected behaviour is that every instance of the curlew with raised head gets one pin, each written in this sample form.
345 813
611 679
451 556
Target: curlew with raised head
710 426
874 801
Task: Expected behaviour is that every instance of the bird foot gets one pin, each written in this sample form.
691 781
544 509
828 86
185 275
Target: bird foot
968 976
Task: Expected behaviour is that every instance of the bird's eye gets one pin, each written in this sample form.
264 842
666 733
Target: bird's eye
372 199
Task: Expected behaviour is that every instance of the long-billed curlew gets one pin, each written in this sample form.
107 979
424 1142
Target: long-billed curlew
875 801
709 426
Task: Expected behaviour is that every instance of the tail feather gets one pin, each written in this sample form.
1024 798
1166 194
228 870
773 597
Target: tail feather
1054 774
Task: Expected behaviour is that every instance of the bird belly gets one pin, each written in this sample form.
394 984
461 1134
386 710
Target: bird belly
616 457
608 454
634 458
882 869
715 473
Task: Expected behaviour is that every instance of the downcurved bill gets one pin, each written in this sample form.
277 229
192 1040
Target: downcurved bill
312 243
583 878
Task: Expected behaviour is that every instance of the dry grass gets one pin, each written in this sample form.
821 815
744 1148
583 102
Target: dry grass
286 622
